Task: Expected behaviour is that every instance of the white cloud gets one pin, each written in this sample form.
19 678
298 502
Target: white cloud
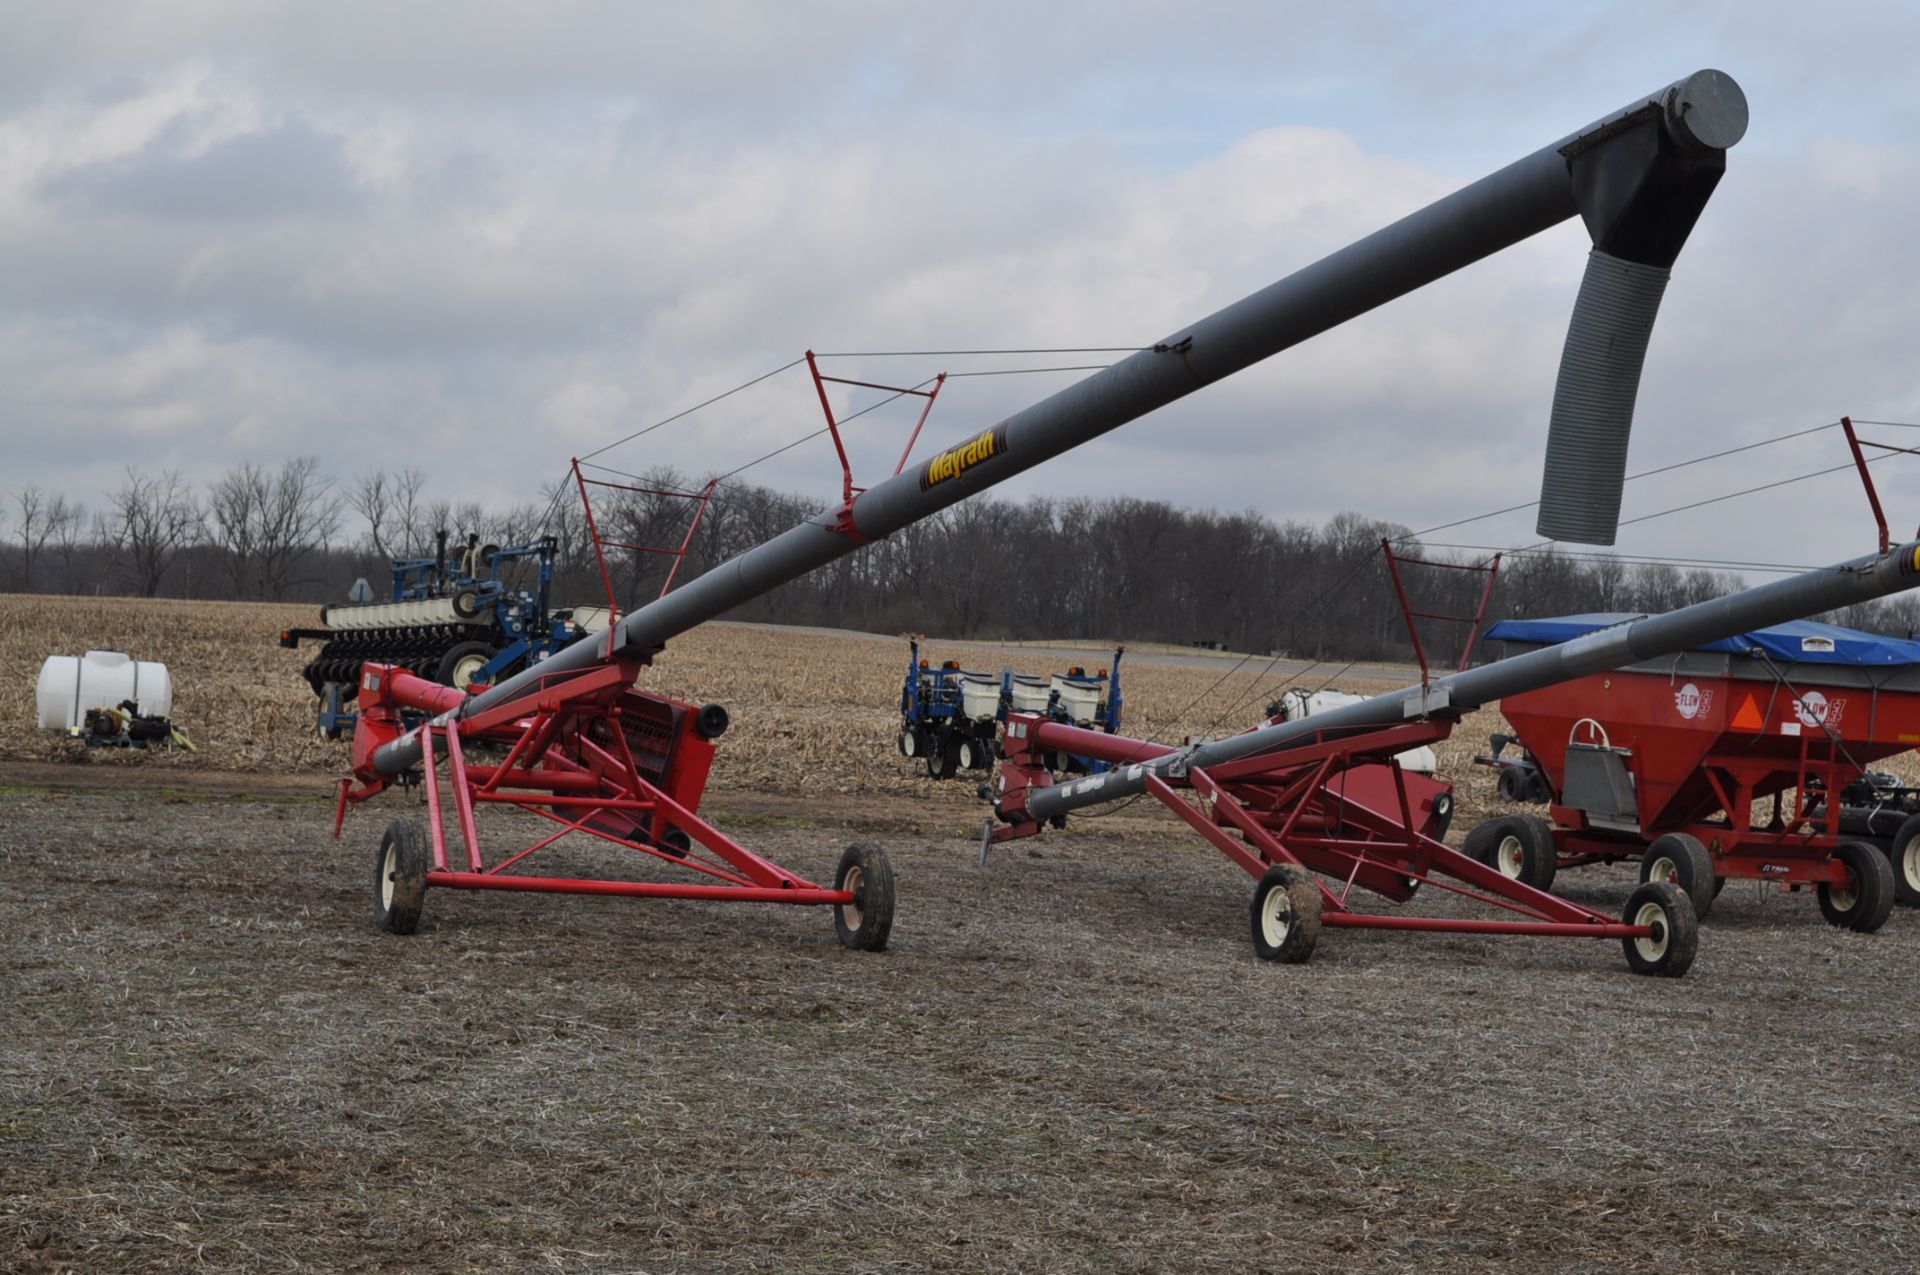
410 235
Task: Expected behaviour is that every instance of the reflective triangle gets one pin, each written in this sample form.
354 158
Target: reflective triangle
1748 718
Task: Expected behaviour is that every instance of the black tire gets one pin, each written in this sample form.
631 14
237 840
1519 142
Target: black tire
1480 839
973 754
1669 951
676 842
908 743
865 923
1866 901
931 759
1537 791
466 604
461 661
1681 859
1904 856
711 721
949 759
1285 915
1513 784
1518 846
400 876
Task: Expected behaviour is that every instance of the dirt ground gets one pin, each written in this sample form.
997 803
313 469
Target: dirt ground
1066 1061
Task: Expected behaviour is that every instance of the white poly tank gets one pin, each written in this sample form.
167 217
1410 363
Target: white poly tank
71 684
1300 702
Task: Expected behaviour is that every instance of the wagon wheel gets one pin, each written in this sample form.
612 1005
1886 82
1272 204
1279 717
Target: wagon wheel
1513 784
1866 899
909 742
1681 859
949 755
1518 846
1668 950
1537 791
1906 863
864 923
400 876
1285 915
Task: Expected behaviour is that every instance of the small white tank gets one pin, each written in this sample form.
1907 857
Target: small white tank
1300 702
71 684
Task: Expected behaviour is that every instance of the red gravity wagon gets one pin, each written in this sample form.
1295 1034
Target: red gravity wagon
1722 763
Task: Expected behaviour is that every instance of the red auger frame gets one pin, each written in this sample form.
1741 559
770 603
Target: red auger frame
596 757
1339 805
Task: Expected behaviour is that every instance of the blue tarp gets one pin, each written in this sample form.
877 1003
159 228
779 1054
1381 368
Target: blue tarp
1799 641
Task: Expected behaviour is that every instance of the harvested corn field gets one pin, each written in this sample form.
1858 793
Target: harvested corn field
1067 1060
812 710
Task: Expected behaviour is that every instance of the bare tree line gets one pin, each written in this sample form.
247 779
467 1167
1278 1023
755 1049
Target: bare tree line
1078 568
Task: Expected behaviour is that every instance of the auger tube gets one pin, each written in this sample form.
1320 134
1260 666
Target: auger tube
1651 637
1693 120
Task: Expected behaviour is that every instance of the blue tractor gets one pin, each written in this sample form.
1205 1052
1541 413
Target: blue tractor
458 622
950 716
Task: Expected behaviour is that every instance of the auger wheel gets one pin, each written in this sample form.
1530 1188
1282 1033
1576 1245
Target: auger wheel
1286 915
400 876
865 923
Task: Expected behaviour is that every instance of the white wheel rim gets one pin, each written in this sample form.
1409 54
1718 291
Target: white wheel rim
1664 869
389 869
463 670
1910 864
1276 916
906 743
1842 896
854 880
1652 946
1509 856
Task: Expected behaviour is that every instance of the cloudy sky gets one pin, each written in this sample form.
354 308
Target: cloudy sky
483 238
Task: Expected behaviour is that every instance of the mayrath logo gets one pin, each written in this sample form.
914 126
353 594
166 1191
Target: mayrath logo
1815 709
1692 701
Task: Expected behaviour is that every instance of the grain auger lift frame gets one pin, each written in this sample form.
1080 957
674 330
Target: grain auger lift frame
593 754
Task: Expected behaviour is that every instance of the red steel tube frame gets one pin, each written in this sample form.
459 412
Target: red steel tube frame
820 383
1407 613
701 499
599 788
1289 782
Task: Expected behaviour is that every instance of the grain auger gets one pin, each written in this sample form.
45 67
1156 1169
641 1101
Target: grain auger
576 742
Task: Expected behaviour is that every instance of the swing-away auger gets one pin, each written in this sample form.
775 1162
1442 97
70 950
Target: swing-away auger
575 742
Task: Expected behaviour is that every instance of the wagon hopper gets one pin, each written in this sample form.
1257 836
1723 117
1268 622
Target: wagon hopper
1717 763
